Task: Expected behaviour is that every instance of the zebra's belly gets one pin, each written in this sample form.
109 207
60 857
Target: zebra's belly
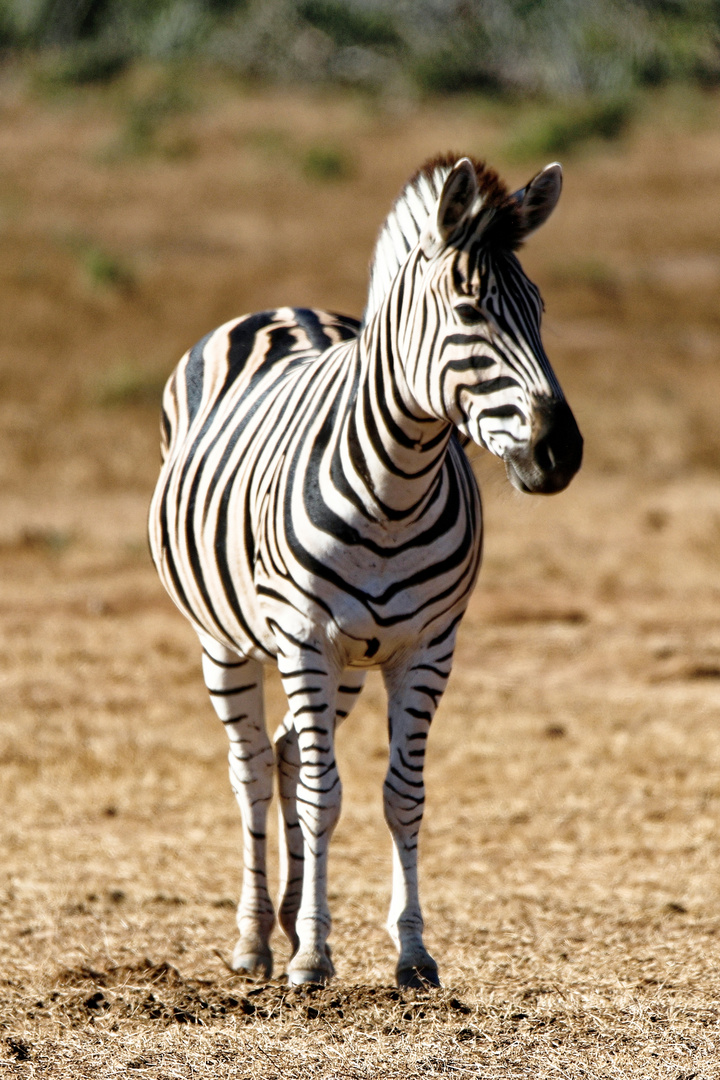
371 620
365 611
350 602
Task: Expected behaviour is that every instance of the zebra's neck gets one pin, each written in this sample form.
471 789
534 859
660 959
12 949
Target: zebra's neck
403 442
395 448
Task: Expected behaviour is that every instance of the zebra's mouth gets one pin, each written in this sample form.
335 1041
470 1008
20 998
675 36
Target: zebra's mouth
532 480
550 462
515 478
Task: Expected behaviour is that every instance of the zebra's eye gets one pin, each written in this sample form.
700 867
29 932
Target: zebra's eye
468 314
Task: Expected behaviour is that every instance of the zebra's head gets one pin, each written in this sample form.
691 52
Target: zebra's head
469 318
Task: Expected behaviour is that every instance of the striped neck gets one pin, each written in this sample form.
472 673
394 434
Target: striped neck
397 449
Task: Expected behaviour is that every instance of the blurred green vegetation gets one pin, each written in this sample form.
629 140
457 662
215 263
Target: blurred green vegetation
548 48
128 383
326 162
101 268
105 270
559 129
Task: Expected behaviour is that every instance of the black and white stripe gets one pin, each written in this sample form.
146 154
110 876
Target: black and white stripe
316 509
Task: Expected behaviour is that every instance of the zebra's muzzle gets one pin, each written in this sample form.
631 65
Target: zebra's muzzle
548 464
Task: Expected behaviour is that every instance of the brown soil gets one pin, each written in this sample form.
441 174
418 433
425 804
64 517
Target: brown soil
570 855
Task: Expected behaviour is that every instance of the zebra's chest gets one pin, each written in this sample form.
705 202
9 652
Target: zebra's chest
370 589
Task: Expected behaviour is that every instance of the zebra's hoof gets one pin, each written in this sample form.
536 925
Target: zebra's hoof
253 962
418 978
308 977
315 969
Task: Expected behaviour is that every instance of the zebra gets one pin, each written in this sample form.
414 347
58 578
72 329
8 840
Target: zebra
316 509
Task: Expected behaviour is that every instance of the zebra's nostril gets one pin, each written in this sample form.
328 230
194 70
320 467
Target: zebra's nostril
559 449
544 456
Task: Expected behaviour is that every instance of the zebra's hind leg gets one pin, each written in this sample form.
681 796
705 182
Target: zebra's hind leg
413 696
236 691
291 839
287 759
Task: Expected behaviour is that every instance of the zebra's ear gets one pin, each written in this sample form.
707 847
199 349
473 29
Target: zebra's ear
538 200
456 200
455 203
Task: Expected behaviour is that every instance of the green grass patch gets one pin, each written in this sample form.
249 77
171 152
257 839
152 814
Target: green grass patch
101 268
105 270
567 129
46 539
270 142
127 383
323 162
326 163
146 116
592 273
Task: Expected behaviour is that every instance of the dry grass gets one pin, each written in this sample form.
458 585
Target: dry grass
159 1023
570 857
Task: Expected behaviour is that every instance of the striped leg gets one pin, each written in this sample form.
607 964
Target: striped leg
311 688
413 696
287 760
291 838
236 691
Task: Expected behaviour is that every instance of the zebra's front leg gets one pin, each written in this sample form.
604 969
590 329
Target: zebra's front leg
413 696
312 791
292 854
236 691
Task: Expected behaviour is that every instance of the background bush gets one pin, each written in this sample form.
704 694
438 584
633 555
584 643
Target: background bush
542 47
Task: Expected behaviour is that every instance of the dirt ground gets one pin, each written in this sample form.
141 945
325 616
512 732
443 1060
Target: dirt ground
570 854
